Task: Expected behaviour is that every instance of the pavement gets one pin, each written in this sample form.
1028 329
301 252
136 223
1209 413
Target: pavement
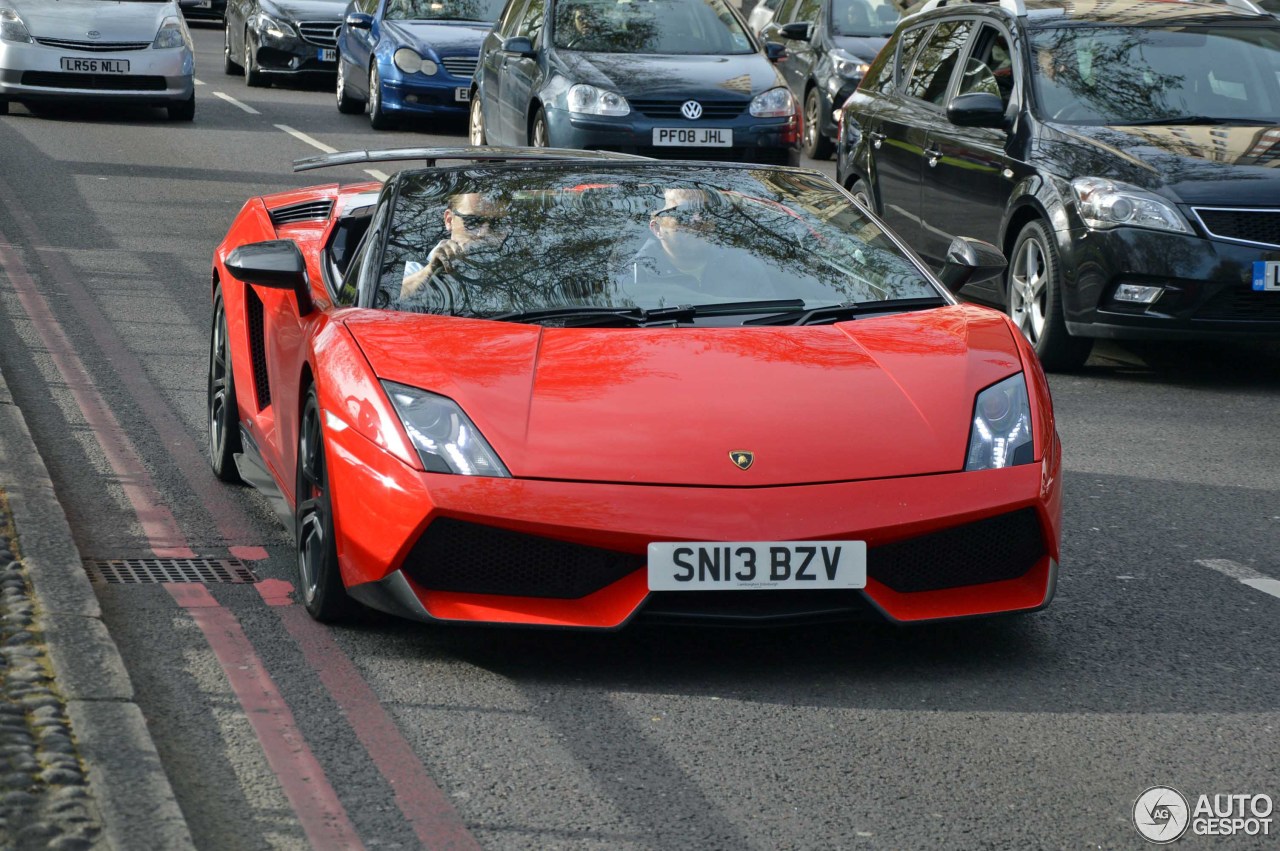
78 767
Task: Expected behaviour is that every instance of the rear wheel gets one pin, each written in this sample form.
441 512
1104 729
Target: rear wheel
816 145
347 103
253 76
539 135
224 414
1034 300
378 118
476 124
185 111
862 194
319 579
229 64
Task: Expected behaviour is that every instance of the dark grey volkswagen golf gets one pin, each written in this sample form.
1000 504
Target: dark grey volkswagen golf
1122 154
676 78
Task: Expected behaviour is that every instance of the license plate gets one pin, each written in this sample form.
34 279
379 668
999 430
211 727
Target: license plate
1266 275
757 565
328 54
462 93
693 137
95 66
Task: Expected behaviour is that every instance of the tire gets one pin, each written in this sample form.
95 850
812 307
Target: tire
224 414
539 133
347 103
253 76
815 145
1033 300
475 124
229 66
378 118
861 191
185 111
319 580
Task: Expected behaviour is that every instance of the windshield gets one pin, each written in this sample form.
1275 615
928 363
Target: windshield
487 242
866 18
443 10
1133 75
655 26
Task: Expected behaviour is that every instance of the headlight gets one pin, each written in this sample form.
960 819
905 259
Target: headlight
171 34
446 440
773 103
1001 433
1106 204
589 100
277 29
12 28
408 61
847 65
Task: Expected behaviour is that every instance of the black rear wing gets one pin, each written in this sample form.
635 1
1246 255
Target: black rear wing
432 155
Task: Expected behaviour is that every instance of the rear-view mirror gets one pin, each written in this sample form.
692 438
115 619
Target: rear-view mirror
976 109
519 45
276 263
969 261
798 31
775 52
359 21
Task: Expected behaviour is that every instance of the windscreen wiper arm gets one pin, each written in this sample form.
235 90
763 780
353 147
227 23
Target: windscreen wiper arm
1198 119
579 317
847 310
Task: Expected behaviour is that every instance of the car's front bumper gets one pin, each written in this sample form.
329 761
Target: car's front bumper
769 140
440 94
34 73
572 554
213 10
299 55
1208 292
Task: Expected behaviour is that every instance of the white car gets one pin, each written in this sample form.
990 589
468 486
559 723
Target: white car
129 51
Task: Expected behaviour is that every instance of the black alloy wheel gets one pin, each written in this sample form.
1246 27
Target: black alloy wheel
229 65
1033 300
378 118
347 103
861 193
539 134
224 414
319 579
816 145
253 76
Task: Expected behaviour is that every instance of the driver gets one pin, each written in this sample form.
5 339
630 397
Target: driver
475 224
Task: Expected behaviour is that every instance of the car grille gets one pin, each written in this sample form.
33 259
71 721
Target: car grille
321 33
93 46
99 82
1261 227
711 110
1241 305
460 66
453 555
307 211
1002 547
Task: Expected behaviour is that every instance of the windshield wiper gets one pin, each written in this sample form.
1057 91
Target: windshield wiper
582 317
1197 119
848 310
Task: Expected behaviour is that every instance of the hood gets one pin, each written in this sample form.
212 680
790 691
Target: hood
634 76
443 37
75 19
1194 164
863 47
873 398
306 10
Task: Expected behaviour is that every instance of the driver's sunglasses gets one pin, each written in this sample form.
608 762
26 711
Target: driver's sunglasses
686 216
476 221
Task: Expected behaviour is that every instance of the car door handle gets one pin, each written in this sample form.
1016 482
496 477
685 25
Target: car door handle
877 139
933 155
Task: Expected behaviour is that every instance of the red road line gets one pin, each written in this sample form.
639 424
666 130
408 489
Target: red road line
158 523
425 806
321 814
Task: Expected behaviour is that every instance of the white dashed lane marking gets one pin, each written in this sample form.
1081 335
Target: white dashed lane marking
1242 574
377 175
298 134
229 99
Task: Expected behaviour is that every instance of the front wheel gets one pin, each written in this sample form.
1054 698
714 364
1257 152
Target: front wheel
476 124
347 103
1034 300
539 135
229 65
320 581
253 76
816 145
378 118
224 413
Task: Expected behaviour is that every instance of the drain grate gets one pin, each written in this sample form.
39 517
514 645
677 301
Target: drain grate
138 570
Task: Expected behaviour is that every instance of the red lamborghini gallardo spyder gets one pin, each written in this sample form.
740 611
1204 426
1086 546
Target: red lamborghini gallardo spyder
569 389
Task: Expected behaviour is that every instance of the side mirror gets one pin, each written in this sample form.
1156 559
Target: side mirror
775 52
519 46
970 260
797 31
359 21
976 109
278 264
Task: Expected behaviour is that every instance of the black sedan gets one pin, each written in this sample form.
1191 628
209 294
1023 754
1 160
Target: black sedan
677 78
281 39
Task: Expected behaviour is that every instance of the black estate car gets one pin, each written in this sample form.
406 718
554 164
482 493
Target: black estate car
829 44
1122 154
279 39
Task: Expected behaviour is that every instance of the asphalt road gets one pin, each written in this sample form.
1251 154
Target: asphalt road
1157 663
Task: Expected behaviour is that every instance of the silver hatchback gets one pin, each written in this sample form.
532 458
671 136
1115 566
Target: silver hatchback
135 51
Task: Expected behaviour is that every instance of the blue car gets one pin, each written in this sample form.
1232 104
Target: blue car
673 78
410 57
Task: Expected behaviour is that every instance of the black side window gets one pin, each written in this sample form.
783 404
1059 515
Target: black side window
507 23
931 75
880 74
911 41
990 65
531 20
808 11
786 11
364 262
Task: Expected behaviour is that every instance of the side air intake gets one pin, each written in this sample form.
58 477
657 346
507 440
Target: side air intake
307 211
